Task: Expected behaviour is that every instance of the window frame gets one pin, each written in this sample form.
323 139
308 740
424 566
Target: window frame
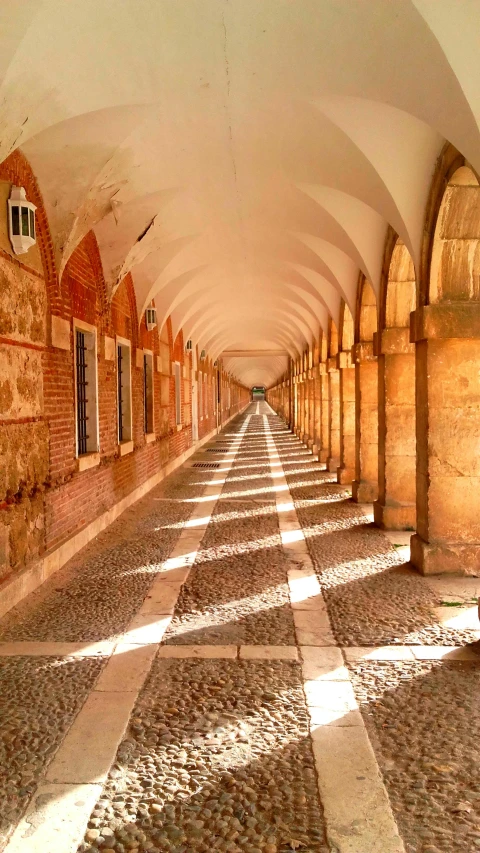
93 441
127 387
148 395
177 375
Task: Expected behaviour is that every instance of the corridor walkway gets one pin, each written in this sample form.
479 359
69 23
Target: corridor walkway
242 662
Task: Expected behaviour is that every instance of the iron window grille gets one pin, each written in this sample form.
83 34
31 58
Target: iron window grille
120 391
82 400
147 394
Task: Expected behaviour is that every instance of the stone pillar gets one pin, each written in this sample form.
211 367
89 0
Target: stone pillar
317 411
365 484
333 458
311 410
346 469
302 408
395 508
325 412
447 363
297 404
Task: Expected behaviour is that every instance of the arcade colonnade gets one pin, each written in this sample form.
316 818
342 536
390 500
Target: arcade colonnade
389 399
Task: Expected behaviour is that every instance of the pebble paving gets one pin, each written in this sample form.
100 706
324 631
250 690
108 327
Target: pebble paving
39 697
424 722
217 757
96 595
237 592
373 597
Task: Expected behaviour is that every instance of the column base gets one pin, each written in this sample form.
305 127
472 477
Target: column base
332 463
309 443
345 476
436 559
323 455
395 517
364 492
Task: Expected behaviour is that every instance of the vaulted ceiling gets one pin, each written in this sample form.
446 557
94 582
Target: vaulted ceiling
241 159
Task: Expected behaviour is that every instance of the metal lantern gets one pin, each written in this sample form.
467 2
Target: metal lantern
188 346
203 355
21 221
150 318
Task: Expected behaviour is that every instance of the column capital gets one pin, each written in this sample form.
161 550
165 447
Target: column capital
332 364
445 320
363 351
344 359
393 341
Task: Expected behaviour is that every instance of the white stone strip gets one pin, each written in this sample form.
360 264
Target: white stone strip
358 815
89 748
355 654
204 652
59 813
55 820
28 648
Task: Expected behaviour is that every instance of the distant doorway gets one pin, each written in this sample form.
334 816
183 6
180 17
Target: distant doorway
258 393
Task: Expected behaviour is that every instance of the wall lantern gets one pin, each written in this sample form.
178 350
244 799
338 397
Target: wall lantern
21 221
150 318
188 346
203 355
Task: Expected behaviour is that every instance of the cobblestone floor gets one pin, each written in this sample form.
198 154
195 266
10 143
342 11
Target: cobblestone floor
373 597
217 757
424 724
238 726
98 592
39 697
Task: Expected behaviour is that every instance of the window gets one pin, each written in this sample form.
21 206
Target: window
200 395
148 393
86 388
178 394
124 391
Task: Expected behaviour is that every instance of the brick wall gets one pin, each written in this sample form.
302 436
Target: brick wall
44 497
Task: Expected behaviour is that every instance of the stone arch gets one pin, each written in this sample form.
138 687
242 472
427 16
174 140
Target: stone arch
446 330
395 508
365 484
17 171
346 468
333 457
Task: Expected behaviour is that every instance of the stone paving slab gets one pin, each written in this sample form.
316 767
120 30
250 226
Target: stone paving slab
55 819
268 653
323 664
229 652
127 668
88 751
33 649
147 629
342 780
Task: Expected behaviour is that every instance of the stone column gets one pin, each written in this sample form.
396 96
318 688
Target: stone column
317 417
346 469
333 458
311 410
365 484
395 508
447 363
302 407
325 412
297 404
